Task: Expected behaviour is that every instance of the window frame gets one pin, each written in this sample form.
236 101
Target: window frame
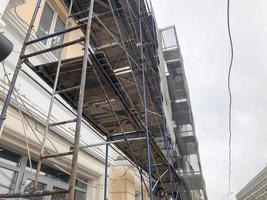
22 174
16 169
52 28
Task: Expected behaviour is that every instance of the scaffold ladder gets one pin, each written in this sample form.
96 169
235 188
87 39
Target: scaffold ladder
77 120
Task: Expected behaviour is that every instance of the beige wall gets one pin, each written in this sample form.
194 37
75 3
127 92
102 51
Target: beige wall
25 11
124 183
13 136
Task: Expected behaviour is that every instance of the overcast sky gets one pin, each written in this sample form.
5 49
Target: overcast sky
202 33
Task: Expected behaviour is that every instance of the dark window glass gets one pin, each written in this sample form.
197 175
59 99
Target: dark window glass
59 196
48 26
8 157
58 39
80 184
7 180
45 22
66 3
79 195
29 186
80 192
49 172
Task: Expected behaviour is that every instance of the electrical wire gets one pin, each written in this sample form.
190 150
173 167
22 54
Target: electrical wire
230 98
33 129
16 13
25 130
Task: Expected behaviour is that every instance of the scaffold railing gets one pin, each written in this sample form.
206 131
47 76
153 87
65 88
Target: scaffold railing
114 85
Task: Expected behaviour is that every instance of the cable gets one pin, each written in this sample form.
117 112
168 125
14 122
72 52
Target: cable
25 130
15 11
29 112
230 98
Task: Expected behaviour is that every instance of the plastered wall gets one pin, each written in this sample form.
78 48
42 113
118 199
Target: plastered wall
25 11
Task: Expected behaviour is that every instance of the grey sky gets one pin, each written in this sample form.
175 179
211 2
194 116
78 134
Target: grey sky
201 28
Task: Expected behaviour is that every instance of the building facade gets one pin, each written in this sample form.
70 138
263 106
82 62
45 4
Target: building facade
256 189
25 124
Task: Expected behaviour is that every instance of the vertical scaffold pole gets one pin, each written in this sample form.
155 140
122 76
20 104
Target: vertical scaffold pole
166 141
18 66
142 189
106 175
151 196
80 105
51 105
167 146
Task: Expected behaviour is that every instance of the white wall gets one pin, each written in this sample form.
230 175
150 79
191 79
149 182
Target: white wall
3 5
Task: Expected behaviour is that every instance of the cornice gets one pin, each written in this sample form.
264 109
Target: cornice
15 3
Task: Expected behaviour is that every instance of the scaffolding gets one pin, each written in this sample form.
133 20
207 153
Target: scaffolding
114 85
189 165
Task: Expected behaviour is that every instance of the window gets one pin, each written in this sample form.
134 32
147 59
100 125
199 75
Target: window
62 196
50 172
16 175
59 180
29 186
9 157
8 161
80 190
50 23
80 195
7 178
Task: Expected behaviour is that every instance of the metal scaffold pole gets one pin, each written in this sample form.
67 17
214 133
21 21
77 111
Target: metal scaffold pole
142 188
106 174
23 58
166 140
80 105
167 146
51 105
151 196
18 66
